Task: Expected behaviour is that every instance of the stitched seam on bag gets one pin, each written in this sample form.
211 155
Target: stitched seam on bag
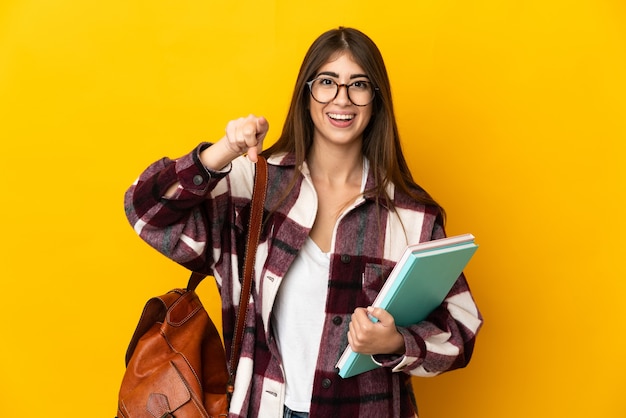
185 319
124 413
199 405
186 361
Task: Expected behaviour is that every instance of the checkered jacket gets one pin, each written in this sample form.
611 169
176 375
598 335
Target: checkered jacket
203 227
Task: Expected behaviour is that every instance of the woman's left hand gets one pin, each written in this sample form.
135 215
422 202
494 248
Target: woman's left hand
367 337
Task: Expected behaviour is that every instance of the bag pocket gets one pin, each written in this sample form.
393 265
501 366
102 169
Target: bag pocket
165 391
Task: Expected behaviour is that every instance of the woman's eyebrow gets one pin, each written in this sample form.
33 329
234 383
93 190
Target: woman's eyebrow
335 75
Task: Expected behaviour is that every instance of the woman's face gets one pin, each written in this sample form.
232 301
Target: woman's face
340 121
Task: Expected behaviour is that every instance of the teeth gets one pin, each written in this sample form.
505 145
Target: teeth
340 117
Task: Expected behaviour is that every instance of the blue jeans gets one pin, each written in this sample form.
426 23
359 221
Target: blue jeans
293 414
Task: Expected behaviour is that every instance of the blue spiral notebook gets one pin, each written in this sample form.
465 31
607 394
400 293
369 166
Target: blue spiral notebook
416 286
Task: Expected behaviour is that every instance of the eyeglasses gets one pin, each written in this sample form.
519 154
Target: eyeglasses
324 90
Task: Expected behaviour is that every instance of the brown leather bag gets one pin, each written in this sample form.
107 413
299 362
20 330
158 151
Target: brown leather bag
175 363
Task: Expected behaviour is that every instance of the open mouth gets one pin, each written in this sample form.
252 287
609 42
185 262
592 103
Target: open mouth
340 117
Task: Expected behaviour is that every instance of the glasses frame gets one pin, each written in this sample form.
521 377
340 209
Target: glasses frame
347 86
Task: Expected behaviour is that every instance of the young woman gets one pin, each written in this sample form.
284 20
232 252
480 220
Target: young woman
341 207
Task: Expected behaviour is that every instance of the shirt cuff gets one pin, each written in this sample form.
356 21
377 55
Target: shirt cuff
193 175
415 350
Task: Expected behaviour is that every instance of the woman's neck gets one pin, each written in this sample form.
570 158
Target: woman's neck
337 178
336 166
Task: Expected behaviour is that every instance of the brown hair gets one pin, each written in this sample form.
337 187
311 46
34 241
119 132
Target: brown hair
381 141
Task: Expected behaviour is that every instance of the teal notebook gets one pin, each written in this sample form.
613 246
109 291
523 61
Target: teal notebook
416 286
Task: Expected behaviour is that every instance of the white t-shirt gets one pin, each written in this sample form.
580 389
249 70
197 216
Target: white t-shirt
298 320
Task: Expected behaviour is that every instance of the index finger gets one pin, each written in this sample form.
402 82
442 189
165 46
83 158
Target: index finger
253 154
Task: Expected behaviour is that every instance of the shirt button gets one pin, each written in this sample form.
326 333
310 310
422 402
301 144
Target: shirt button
345 258
326 383
337 320
197 179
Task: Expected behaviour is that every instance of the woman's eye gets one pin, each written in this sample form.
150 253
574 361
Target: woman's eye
326 82
359 85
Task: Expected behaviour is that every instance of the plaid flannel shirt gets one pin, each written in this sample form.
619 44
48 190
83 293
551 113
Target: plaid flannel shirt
203 227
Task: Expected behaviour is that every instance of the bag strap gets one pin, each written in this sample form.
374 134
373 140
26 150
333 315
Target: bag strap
254 233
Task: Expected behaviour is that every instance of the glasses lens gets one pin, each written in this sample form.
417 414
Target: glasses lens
324 90
361 93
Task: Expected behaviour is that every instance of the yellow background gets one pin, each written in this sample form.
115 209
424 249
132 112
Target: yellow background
512 114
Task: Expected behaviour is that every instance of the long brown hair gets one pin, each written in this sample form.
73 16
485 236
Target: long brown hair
381 141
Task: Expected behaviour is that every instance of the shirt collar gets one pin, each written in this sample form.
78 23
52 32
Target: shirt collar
288 159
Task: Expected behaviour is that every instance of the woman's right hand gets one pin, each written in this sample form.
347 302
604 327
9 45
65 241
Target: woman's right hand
246 135
243 135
